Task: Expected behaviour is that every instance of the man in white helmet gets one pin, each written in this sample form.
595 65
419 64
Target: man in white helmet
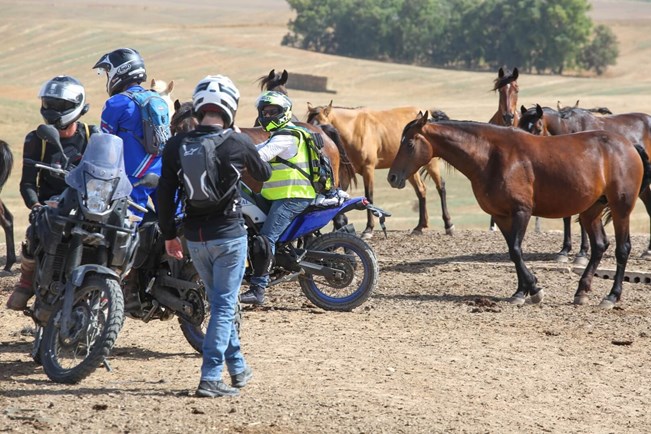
204 166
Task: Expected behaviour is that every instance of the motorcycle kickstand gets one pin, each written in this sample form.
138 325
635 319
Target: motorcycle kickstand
106 365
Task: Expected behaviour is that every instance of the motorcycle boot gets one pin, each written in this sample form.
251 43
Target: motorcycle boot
130 291
255 295
24 289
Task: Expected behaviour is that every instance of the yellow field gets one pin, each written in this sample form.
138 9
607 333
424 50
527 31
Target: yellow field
187 40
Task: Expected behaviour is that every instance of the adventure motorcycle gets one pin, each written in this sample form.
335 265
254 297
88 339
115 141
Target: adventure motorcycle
336 270
84 243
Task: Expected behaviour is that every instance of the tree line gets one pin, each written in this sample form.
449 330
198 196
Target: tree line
542 36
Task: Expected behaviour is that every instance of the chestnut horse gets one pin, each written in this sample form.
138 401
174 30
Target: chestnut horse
6 218
371 139
636 127
515 175
507 115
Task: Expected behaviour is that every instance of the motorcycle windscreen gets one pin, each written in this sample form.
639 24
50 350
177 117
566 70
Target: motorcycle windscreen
103 160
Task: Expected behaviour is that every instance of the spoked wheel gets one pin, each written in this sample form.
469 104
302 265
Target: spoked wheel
95 321
193 333
355 272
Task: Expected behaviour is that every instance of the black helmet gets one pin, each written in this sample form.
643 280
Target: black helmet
122 66
63 101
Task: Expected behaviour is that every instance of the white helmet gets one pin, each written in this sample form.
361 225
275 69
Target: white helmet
216 93
63 101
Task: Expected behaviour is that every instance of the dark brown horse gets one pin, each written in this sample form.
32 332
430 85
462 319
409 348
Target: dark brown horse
371 139
6 218
636 127
515 175
507 115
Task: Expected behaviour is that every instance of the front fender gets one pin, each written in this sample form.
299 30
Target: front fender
78 275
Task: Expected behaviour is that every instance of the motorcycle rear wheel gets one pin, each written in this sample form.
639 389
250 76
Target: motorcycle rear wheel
195 334
96 319
358 267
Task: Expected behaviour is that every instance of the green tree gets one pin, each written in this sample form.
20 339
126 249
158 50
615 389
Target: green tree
601 52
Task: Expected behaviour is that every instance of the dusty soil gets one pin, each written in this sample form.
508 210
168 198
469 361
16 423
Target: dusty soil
436 349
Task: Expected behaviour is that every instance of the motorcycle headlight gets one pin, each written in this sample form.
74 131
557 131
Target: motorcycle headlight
98 194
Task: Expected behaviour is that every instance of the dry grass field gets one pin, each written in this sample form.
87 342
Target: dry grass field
436 349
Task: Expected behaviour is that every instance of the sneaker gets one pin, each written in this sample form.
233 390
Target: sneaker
240 380
213 389
255 295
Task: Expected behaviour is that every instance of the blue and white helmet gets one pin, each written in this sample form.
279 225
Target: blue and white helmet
216 93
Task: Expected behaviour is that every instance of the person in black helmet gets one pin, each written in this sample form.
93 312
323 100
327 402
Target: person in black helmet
63 102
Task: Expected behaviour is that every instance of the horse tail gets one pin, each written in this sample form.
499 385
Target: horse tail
646 179
346 169
6 162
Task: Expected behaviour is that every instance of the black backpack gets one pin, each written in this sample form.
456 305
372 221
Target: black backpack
204 186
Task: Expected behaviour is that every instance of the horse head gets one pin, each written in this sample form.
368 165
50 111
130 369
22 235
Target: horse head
183 119
318 115
274 81
414 151
506 84
533 121
164 89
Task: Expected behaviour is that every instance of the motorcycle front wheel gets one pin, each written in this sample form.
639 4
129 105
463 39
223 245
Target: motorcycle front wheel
195 334
355 277
95 321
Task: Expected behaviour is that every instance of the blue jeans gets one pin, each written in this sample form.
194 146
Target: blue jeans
220 264
281 214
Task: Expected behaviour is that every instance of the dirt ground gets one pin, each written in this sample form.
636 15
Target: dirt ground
436 349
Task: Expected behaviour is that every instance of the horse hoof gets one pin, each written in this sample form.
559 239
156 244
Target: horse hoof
517 299
646 255
562 258
450 231
538 297
580 299
417 232
581 261
606 304
367 235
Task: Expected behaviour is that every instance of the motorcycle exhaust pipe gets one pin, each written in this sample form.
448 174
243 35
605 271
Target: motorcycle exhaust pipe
168 298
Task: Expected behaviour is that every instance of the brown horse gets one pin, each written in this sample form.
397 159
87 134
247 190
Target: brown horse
515 175
183 120
371 139
507 115
636 127
6 218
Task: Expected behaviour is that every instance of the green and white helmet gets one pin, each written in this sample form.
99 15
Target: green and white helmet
274 110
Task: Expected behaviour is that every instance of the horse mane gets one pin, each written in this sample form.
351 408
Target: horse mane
508 77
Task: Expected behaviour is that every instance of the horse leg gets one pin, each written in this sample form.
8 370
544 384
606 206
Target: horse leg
591 221
368 176
7 223
645 197
622 251
567 240
491 225
435 174
420 189
582 257
514 230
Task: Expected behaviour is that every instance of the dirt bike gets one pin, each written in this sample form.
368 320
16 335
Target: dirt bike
84 243
335 270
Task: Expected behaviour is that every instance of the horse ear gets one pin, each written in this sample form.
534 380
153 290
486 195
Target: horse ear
539 110
272 74
326 111
170 87
523 109
284 76
177 105
309 106
500 73
515 73
422 120
153 83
